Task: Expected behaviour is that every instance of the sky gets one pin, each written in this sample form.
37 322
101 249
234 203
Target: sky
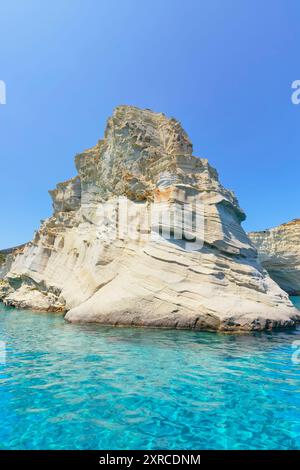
224 68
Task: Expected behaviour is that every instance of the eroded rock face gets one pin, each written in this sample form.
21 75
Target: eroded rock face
67 196
7 258
82 262
279 253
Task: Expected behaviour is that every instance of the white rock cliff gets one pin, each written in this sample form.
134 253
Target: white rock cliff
83 264
279 253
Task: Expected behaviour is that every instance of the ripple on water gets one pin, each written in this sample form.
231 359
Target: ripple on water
69 386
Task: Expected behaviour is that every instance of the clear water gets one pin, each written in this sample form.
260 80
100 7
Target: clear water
296 301
68 386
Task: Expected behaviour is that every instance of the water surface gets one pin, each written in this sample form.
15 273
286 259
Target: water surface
296 301
66 386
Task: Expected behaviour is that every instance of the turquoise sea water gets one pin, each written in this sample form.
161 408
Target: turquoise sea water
68 386
296 301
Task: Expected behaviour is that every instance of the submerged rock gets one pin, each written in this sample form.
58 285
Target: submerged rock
279 253
83 261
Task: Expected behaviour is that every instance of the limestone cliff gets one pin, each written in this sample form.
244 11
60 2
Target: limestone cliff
7 257
80 261
279 253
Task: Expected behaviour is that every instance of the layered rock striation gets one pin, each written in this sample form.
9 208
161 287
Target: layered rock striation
279 253
83 261
7 257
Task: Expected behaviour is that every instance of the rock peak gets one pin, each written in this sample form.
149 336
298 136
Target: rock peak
146 128
143 151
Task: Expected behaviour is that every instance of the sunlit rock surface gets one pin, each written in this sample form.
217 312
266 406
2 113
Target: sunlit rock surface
79 264
279 253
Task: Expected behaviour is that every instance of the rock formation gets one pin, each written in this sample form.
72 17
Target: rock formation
279 253
81 261
7 257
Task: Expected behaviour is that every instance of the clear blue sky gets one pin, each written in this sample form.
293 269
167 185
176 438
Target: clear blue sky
224 68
